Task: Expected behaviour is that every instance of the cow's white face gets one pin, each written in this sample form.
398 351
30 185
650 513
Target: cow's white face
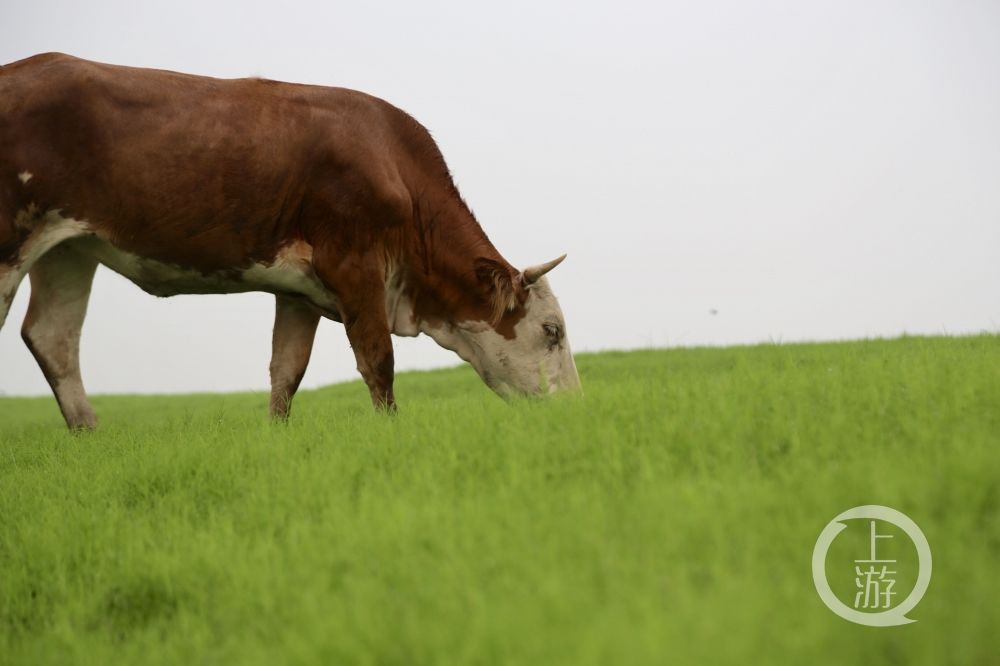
532 357
536 360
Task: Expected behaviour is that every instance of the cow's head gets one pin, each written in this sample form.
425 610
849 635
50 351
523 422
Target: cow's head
518 342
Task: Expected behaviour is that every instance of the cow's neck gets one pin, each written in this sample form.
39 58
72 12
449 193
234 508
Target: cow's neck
436 287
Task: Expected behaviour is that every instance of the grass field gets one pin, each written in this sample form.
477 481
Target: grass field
668 516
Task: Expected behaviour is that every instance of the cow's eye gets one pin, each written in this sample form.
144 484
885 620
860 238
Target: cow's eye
553 333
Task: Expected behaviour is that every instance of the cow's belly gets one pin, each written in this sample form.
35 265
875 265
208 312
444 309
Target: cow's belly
290 273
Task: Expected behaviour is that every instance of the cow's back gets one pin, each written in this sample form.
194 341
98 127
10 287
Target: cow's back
197 171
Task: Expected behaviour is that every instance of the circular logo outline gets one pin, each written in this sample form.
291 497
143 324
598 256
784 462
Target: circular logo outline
893 616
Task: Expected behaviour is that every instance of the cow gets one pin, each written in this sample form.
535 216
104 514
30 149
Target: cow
334 201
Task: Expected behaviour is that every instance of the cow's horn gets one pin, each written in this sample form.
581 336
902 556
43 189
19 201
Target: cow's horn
533 273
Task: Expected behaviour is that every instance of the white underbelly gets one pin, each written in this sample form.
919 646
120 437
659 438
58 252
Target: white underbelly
290 273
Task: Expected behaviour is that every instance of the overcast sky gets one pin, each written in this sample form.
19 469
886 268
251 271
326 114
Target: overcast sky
805 170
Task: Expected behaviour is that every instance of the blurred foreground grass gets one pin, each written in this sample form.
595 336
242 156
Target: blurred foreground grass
667 516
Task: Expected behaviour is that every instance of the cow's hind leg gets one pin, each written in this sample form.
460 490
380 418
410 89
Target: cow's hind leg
10 278
60 288
294 331
32 237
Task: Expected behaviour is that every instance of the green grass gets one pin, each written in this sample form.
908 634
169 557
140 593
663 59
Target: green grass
668 516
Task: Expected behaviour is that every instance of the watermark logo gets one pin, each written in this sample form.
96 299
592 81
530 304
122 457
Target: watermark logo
874 599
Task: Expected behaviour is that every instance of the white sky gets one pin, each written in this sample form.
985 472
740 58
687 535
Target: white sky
810 170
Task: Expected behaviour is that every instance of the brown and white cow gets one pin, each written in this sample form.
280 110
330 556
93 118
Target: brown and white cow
337 202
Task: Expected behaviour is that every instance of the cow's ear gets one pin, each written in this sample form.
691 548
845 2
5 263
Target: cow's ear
499 284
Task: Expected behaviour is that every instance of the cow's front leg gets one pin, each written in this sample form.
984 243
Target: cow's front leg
368 333
291 345
359 285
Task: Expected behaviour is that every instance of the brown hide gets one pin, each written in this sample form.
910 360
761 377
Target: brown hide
219 175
